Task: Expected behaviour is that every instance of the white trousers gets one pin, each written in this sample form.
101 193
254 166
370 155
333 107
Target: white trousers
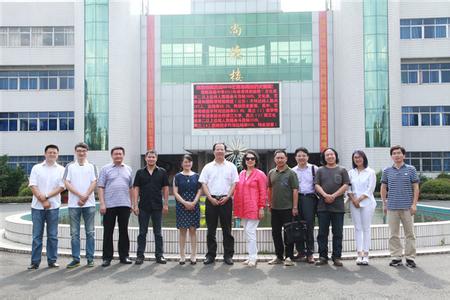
362 218
250 236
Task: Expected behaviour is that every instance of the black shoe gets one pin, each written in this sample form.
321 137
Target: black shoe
161 260
126 261
396 263
193 262
106 263
53 265
322 261
139 261
410 263
33 267
208 260
228 261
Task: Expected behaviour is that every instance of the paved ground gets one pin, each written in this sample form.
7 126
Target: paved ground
431 280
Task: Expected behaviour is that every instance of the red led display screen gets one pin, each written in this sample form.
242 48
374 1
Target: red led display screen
240 105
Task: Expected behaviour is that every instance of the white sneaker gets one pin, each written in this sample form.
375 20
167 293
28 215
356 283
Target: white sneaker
275 261
288 262
365 261
246 262
252 264
359 260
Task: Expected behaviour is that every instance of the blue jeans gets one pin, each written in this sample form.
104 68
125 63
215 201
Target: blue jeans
39 218
75 218
144 219
337 227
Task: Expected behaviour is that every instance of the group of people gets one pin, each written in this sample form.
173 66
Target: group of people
299 193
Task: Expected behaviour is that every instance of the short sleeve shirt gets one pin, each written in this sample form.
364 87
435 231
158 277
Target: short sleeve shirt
400 186
331 180
282 183
150 188
81 177
47 178
116 180
219 177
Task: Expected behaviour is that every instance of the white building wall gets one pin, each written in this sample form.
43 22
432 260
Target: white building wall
24 14
429 138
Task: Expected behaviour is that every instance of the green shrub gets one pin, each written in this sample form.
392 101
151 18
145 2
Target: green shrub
423 179
25 190
24 199
10 178
444 175
436 186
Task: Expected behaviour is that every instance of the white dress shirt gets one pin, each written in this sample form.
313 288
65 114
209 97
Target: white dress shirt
47 178
219 177
363 183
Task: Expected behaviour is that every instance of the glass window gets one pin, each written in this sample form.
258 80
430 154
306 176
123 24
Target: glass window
3 125
32 84
43 124
63 124
445 76
446 119
43 83
441 31
435 119
416 32
52 124
425 119
53 83
446 165
405 32
12 125
413 120
429 32
436 165
412 77
12 84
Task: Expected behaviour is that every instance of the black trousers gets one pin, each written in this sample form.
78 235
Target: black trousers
224 214
122 213
307 207
278 218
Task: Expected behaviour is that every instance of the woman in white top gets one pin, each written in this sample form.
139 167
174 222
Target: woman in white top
362 206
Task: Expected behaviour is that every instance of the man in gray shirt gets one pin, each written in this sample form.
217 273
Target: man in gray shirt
114 192
331 183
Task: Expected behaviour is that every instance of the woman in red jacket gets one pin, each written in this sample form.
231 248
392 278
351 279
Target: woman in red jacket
249 201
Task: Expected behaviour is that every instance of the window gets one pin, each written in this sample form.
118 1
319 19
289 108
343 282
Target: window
429 161
425 73
426 116
430 28
37 121
37 80
27 162
61 36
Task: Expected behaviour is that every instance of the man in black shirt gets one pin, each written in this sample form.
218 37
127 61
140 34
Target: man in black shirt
151 184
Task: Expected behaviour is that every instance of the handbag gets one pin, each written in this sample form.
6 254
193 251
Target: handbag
294 231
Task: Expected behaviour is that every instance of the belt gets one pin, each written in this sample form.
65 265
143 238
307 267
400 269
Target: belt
309 194
218 196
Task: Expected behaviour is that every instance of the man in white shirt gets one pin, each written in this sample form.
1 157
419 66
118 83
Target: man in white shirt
307 203
80 178
46 184
219 179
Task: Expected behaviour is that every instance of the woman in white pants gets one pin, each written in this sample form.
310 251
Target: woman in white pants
362 206
249 201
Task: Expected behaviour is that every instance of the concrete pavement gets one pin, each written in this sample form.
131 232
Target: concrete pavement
431 280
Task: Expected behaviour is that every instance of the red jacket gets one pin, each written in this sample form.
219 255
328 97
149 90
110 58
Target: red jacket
250 194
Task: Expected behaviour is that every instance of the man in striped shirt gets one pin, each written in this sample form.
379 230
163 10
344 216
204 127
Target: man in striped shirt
115 184
400 193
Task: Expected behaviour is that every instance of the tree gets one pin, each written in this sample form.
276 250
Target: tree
10 178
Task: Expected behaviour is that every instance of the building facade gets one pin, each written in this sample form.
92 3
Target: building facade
359 75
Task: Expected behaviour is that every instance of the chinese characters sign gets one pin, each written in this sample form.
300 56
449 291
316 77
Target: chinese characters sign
237 105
